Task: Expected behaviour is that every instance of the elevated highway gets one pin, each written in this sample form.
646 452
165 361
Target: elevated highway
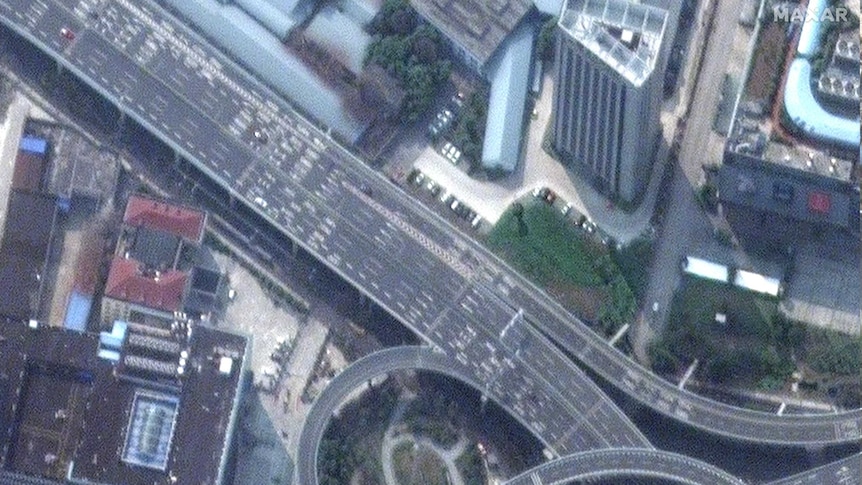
625 464
364 370
452 292
847 471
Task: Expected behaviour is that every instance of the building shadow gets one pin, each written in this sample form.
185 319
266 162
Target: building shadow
259 453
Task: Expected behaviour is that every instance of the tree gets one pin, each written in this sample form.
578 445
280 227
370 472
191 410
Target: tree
421 87
518 214
546 41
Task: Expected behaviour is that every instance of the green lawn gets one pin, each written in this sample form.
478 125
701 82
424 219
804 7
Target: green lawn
418 466
757 347
545 247
749 349
577 271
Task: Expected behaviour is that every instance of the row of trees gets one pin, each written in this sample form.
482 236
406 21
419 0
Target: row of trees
411 52
469 130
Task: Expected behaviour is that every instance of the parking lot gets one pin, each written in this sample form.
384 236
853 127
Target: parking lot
537 169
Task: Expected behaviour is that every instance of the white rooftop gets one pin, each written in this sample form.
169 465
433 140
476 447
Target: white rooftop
757 283
627 36
706 269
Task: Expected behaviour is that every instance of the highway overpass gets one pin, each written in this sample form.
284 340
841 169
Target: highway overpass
625 464
456 295
383 362
847 471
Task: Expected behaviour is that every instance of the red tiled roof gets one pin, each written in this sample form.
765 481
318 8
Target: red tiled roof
126 283
177 220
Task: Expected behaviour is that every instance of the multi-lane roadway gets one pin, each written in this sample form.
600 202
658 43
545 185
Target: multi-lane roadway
452 292
384 362
608 466
167 79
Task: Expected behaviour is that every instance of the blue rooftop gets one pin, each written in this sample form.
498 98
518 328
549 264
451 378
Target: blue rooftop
113 340
510 83
812 27
35 145
151 429
78 311
807 114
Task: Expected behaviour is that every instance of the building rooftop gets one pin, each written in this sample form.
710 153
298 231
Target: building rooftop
478 26
131 281
626 36
153 248
27 236
29 171
66 411
802 195
184 222
510 83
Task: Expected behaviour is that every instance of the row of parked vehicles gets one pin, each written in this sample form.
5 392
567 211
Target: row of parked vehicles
548 196
459 208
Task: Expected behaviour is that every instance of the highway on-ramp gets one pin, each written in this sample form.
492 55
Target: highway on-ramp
608 463
364 370
625 464
443 285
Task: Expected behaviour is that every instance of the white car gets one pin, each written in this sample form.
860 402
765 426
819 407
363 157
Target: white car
259 201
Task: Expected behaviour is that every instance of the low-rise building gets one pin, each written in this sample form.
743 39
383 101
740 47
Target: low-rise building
155 265
139 406
795 161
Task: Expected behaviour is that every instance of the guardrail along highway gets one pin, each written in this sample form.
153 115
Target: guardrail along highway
625 465
440 283
167 79
364 370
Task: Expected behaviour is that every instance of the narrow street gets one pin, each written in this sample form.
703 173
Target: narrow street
685 222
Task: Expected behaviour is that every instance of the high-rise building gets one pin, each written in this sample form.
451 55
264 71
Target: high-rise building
608 92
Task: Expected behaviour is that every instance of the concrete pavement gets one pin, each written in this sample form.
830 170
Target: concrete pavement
538 169
685 223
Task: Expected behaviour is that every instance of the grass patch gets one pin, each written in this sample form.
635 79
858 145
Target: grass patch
351 445
470 467
418 465
744 350
756 347
544 247
580 273
433 417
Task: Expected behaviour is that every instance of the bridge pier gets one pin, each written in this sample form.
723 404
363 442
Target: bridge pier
781 409
688 374
622 331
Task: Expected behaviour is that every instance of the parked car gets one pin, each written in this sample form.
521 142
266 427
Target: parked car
566 209
548 195
476 221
